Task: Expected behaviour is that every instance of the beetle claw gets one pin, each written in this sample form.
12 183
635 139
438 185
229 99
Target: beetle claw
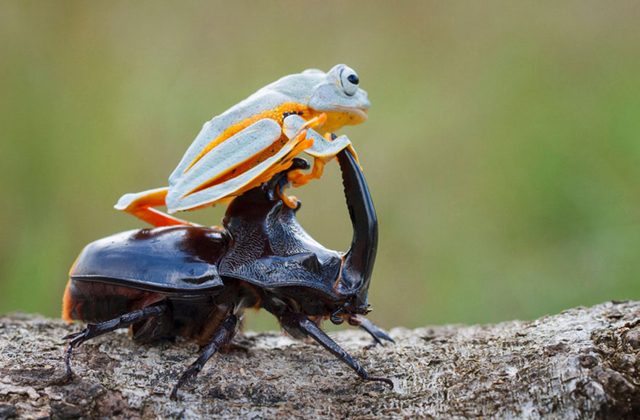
385 380
188 376
376 333
67 362
76 339
372 345
73 336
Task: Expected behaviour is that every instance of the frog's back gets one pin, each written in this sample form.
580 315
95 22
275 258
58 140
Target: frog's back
287 95
216 127
271 101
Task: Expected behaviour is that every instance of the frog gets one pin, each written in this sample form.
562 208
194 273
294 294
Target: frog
257 138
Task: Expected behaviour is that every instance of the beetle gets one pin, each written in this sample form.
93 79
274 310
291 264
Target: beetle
195 281
257 138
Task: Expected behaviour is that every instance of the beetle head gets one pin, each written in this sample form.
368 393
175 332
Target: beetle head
263 227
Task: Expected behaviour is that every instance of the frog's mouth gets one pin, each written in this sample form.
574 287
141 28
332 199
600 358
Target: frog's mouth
357 112
343 116
361 115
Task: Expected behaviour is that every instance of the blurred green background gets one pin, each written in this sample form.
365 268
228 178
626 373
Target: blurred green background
502 147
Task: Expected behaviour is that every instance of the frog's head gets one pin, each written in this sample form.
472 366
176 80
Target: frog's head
335 93
338 94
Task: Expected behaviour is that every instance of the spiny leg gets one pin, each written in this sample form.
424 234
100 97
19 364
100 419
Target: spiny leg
95 330
300 325
376 332
222 338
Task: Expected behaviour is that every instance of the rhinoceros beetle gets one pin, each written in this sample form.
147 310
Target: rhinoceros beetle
195 282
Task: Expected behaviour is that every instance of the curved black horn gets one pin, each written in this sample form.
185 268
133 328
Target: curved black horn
359 260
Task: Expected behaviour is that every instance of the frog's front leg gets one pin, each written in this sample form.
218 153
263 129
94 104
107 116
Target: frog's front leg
322 151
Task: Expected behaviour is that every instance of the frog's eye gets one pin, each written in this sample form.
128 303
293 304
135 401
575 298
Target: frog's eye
349 81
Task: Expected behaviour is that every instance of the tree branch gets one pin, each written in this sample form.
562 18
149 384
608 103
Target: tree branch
582 363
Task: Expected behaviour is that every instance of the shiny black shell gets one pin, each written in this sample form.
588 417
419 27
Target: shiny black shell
261 258
171 260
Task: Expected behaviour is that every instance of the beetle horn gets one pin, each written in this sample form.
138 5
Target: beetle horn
359 259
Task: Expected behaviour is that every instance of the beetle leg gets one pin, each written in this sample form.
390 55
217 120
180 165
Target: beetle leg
299 325
376 332
222 338
95 330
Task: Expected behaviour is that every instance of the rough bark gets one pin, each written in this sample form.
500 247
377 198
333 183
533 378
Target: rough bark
580 364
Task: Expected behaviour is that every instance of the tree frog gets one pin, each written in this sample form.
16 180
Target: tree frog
257 138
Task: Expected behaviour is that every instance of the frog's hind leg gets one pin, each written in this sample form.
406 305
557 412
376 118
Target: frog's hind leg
141 206
228 169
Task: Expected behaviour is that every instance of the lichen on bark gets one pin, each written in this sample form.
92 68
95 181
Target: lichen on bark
580 364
